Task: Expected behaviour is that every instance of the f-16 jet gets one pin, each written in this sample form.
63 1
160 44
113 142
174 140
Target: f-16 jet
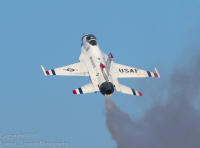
101 69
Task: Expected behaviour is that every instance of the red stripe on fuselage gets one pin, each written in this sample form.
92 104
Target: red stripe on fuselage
102 66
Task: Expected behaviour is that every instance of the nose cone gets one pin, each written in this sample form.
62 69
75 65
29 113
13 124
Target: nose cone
106 88
91 39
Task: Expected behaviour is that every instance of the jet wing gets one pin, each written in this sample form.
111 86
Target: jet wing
77 69
123 71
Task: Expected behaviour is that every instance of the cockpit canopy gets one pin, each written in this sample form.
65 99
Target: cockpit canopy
91 39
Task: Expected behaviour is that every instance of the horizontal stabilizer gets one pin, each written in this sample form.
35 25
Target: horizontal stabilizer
88 88
126 90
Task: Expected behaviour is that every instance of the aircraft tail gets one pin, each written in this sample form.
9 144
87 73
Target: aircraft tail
108 62
127 90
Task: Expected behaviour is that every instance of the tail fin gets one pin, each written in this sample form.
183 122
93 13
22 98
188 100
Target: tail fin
108 62
126 90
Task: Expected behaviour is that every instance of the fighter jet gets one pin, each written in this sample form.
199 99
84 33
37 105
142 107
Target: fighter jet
101 69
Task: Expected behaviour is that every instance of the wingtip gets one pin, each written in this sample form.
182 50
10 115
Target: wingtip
74 92
139 93
43 70
157 73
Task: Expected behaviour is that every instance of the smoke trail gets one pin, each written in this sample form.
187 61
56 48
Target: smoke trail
175 124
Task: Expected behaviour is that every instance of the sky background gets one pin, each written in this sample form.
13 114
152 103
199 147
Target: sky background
141 33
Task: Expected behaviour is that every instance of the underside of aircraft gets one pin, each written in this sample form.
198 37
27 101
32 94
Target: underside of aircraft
102 70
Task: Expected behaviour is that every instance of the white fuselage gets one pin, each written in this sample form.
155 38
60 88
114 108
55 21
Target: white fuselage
93 57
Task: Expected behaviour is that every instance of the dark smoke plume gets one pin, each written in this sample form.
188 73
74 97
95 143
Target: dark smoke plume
174 124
